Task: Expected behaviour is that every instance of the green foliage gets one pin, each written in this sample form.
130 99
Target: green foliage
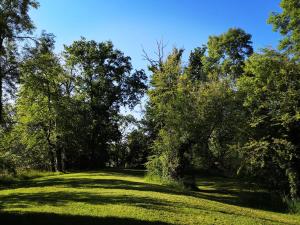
168 162
39 102
15 24
196 65
293 205
271 89
287 23
197 109
227 53
14 17
57 103
167 94
138 148
103 83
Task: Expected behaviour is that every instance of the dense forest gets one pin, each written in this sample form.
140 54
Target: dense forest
228 111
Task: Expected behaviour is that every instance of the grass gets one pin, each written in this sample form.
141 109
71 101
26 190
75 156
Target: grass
8 178
124 197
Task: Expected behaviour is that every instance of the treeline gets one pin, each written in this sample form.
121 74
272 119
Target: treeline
65 111
229 111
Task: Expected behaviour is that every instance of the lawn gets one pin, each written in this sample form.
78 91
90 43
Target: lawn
124 197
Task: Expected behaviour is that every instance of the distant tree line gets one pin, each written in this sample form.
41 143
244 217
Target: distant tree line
230 111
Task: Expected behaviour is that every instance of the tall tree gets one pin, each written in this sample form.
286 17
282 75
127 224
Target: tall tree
196 107
15 24
168 98
38 105
104 83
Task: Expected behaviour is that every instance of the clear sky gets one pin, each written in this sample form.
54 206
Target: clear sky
131 24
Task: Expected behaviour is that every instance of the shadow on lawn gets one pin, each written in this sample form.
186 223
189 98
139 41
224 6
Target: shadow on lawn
62 198
240 193
113 172
251 199
13 218
216 189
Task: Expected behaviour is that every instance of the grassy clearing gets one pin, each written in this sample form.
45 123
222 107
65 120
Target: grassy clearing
124 197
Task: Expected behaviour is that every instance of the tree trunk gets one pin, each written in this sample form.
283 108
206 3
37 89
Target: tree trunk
52 153
52 147
60 159
53 160
1 81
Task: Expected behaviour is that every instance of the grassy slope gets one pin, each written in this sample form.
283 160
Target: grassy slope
112 197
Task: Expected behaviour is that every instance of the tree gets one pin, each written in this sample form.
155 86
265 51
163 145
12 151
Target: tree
196 108
104 83
287 23
167 98
213 70
227 53
15 24
196 66
138 148
271 97
39 102
216 126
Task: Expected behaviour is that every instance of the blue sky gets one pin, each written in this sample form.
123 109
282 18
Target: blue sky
132 24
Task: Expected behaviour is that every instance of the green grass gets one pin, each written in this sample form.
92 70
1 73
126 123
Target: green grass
9 179
124 197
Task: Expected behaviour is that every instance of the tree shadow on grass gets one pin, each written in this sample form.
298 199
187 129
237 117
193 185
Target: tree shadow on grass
63 198
112 172
255 200
240 193
97 183
222 190
229 192
15 218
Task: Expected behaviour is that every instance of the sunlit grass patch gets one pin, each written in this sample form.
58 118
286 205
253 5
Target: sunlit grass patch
124 197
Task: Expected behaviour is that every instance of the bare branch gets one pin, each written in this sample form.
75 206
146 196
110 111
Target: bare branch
156 64
26 37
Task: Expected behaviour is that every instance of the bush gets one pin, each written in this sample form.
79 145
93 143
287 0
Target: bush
293 206
156 168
